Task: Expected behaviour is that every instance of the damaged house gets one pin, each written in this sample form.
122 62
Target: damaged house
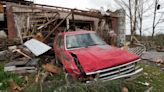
23 19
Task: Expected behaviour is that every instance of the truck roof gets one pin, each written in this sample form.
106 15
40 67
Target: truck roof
78 32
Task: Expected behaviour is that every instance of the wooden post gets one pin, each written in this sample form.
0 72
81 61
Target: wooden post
73 20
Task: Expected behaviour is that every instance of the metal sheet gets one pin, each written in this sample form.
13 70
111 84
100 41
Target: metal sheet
37 47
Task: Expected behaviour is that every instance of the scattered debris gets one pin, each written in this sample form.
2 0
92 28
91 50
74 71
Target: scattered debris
126 46
144 83
159 61
160 49
37 47
22 66
162 69
19 51
139 50
11 48
51 68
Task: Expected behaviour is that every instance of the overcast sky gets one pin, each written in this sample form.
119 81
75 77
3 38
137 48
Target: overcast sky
79 4
107 4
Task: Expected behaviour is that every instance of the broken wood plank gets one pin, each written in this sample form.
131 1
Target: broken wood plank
56 27
17 63
42 26
19 51
14 68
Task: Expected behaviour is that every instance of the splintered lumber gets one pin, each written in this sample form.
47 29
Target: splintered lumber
19 51
56 26
56 16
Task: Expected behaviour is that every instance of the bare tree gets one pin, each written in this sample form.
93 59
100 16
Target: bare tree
154 19
132 7
141 11
135 12
140 16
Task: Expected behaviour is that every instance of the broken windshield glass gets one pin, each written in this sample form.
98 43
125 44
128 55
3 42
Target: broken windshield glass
83 40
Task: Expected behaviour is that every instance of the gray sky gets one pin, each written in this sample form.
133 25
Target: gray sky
79 4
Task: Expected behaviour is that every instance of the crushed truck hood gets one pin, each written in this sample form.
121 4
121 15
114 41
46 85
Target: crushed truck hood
102 56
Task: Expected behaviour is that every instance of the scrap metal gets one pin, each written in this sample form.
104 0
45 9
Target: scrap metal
37 47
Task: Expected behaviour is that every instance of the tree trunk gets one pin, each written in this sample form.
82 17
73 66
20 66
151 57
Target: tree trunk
130 17
154 19
134 22
140 28
141 17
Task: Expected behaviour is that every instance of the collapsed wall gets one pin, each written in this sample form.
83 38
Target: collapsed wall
25 21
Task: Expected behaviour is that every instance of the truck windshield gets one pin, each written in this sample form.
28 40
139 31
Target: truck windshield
83 40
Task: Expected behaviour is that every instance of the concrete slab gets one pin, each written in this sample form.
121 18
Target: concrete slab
152 55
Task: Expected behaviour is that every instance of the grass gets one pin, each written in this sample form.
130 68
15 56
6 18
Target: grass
6 77
159 39
151 74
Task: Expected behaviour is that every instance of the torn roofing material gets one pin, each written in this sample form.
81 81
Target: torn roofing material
37 47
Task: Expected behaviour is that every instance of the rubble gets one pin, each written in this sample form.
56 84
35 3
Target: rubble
22 60
22 66
19 51
4 55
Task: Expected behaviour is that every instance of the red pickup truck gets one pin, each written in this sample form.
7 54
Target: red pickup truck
84 54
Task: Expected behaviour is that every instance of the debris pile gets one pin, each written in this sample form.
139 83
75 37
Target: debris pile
22 59
28 58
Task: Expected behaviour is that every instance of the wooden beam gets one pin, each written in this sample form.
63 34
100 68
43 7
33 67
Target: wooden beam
56 27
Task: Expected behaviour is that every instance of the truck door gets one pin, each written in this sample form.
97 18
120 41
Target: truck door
59 47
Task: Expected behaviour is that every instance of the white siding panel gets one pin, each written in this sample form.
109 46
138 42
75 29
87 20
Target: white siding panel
37 47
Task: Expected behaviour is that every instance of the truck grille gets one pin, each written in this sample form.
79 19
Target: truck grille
112 72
